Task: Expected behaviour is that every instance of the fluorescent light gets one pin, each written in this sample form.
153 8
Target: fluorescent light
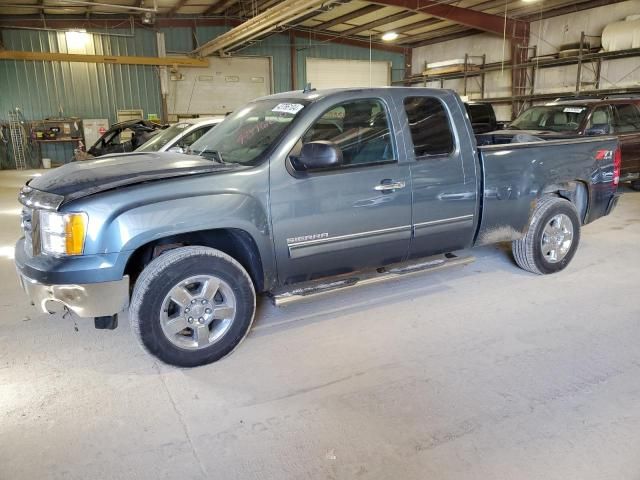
389 36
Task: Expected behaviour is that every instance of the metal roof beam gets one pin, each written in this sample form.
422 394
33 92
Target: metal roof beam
348 16
486 22
377 23
176 7
219 7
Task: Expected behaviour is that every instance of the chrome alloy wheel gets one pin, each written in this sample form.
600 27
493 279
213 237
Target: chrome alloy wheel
198 312
557 238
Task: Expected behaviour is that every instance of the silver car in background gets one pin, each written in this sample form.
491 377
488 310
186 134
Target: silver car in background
179 136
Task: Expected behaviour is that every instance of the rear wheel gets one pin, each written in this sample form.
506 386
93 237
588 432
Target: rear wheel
192 306
552 238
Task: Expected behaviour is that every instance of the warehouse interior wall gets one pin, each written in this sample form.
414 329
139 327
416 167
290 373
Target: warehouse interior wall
68 89
547 35
89 90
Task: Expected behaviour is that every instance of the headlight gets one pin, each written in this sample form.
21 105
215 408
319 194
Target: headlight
63 233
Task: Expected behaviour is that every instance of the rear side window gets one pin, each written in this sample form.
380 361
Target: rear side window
429 125
626 118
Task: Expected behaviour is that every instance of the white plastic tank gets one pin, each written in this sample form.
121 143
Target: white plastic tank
622 35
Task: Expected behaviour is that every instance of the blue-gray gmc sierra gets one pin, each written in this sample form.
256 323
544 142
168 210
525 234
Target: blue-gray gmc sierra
289 189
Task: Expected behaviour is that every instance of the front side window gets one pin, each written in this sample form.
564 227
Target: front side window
249 132
359 128
429 126
626 118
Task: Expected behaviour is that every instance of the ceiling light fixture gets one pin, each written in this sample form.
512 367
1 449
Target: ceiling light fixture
389 36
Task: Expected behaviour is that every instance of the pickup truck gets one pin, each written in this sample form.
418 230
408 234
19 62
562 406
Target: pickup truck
582 117
290 190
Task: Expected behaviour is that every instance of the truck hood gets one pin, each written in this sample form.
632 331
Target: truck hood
80 179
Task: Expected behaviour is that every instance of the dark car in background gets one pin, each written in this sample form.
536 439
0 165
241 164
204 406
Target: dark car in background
581 118
482 117
122 137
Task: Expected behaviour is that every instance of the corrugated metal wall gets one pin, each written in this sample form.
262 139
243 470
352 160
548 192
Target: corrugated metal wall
277 46
84 90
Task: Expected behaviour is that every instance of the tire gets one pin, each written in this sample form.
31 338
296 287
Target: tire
201 289
549 224
635 185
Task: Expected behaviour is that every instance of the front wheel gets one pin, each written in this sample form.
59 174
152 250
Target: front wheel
192 306
552 238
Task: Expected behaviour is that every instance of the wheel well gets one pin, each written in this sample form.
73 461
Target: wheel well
234 242
576 192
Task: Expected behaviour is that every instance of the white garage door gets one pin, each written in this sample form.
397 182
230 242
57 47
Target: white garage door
228 83
329 73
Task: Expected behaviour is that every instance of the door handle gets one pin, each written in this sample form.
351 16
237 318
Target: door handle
389 185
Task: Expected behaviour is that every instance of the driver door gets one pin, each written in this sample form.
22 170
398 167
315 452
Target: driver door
339 220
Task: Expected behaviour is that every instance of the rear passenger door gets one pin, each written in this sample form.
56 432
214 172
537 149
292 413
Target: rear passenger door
626 125
443 175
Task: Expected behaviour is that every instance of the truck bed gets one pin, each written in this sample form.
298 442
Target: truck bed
515 175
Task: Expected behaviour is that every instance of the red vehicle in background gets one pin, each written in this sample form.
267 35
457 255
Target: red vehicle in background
581 117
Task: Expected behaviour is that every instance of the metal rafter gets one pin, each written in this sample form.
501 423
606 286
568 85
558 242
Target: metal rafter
219 7
348 16
464 16
265 22
176 7
377 23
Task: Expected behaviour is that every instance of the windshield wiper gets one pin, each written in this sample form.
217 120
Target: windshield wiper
213 155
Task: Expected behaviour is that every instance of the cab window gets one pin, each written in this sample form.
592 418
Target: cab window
360 129
429 126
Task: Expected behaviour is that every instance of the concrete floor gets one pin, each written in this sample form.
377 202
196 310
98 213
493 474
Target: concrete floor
481 372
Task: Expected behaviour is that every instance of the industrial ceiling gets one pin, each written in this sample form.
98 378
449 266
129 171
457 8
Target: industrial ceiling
415 22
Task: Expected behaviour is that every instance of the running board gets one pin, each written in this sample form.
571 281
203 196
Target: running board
312 289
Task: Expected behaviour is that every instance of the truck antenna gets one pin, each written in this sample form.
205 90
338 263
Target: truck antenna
308 88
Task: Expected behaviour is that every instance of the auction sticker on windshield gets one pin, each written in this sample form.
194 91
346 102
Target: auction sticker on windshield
573 109
291 108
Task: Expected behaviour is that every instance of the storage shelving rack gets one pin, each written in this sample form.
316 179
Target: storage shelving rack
581 59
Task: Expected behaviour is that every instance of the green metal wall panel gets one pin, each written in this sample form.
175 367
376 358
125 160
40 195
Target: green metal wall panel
84 90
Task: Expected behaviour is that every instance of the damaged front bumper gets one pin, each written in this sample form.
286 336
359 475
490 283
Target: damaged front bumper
85 300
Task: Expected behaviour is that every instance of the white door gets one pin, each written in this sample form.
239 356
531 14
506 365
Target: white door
226 84
332 73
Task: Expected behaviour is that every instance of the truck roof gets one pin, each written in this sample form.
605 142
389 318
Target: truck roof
596 101
314 95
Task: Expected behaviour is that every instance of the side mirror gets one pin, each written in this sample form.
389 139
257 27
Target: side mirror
176 149
320 154
597 129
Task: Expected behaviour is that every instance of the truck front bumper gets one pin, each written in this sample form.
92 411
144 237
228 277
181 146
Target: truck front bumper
85 300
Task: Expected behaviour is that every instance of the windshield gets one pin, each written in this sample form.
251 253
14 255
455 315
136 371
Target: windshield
246 134
164 137
557 118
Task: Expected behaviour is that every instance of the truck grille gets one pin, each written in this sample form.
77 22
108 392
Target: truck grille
33 201
31 228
